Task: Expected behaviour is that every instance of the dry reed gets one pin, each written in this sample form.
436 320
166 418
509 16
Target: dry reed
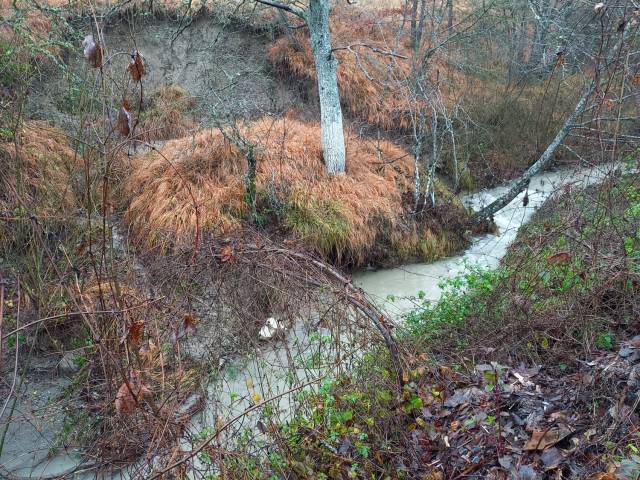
168 116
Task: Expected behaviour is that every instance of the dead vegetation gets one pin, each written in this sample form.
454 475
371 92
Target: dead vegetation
373 85
530 371
37 174
136 375
492 109
341 217
167 115
568 287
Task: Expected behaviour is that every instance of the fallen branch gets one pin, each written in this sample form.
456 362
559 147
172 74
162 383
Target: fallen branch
353 295
70 314
523 181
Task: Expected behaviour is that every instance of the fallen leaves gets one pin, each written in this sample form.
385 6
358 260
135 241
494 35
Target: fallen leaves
129 395
560 258
543 439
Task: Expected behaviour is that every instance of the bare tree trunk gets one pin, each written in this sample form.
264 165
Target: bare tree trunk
421 18
538 54
414 23
316 16
332 135
523 181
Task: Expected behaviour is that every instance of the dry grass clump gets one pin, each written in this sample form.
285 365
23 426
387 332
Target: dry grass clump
37 171
336 215
168 115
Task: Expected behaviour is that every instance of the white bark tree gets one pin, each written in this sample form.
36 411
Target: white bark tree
316 16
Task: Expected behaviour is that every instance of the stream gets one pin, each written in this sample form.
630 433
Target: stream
281 363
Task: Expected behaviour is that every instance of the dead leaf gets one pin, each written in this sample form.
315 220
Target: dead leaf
636 80
551 458
445 371
185 327
136 329
226 254
560 258
92 51
543 439
129 396
136 66
190 324
124 122
560 415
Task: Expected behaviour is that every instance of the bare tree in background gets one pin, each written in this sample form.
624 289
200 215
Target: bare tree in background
316 17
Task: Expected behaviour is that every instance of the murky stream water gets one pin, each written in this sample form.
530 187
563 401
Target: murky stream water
406 281
266 375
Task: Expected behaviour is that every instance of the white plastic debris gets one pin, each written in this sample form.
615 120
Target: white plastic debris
598 7
270 328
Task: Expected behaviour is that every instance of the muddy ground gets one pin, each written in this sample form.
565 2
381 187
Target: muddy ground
223 67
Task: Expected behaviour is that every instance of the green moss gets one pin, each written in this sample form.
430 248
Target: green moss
321 224
13 72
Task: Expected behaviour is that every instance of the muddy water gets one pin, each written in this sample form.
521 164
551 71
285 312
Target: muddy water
396 289
281 364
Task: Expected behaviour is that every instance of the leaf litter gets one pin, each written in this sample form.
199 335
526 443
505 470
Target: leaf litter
502 422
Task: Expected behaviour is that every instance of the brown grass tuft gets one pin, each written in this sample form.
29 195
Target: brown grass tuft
168 116
37 171
372 85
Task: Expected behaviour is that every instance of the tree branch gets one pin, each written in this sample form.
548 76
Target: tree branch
372 48
282 6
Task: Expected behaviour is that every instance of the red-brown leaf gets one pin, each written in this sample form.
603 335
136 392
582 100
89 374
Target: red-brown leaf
560 258
226 254
123 124
129 396
136 66
190 324
136 329
92 51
